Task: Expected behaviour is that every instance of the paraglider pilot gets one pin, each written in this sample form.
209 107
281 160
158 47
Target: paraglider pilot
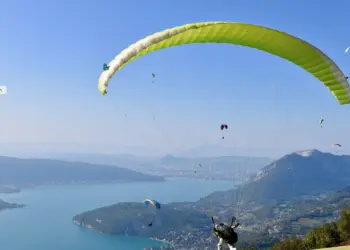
156 205
105 67
226 234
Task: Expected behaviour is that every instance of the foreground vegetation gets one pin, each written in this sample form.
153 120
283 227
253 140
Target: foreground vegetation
329 235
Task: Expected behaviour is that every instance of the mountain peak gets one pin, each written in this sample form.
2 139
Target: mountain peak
307 153
288 163
304 171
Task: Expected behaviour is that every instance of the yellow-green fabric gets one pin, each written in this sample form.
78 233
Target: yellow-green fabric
272 41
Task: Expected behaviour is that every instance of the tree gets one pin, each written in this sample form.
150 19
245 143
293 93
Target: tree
310 239
290 244
344 224
328 236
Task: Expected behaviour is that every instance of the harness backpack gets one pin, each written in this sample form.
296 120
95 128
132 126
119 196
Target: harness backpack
226 233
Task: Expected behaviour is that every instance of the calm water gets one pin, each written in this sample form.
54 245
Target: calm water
46 222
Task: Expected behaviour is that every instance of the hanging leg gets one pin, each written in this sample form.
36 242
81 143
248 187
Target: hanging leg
232 247
151 223
220 244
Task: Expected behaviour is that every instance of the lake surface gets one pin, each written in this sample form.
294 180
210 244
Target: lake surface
46 222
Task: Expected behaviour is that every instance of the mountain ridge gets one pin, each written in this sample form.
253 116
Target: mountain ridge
268 212
174 166
294 174
27 172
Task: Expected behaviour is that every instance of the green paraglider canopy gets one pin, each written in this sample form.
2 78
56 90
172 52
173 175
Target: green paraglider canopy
272 41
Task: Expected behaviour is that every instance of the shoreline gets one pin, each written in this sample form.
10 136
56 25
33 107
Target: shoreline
20 188
90 227
9 189
8 205
160 240
32 186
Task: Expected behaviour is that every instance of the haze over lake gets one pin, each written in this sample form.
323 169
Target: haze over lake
46 222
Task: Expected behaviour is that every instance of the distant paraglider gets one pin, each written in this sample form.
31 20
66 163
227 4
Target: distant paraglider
337 147
222 127
105 67
347 49
156 205
321 122
197 164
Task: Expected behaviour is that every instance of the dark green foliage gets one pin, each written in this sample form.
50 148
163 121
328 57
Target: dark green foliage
290 244
328 235
344 224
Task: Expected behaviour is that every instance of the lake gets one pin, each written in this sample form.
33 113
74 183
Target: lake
46 222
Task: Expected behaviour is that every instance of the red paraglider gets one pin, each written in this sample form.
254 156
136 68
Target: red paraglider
224 126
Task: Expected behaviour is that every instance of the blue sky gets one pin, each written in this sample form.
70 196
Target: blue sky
52 55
